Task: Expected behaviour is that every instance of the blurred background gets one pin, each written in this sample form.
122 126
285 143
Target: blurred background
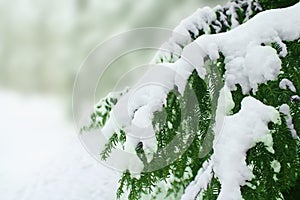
42 45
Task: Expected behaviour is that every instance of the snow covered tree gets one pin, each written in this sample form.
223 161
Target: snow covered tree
239 140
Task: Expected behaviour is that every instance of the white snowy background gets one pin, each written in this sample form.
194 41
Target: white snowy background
42 44
41 156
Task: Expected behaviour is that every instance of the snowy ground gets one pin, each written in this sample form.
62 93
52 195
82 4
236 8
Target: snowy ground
41 156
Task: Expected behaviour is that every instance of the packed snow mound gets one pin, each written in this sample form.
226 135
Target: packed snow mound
245 128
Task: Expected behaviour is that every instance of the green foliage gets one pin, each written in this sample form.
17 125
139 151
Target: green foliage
183 170
266 184
267 4
213 190
190 158
101 113
178 110
112 142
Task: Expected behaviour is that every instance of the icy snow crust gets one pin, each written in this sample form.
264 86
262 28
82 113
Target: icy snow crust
249 62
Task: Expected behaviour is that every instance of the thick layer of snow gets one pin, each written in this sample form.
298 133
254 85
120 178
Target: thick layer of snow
249 61
240 132
41 156
248 64
202 20
243 51
260 64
